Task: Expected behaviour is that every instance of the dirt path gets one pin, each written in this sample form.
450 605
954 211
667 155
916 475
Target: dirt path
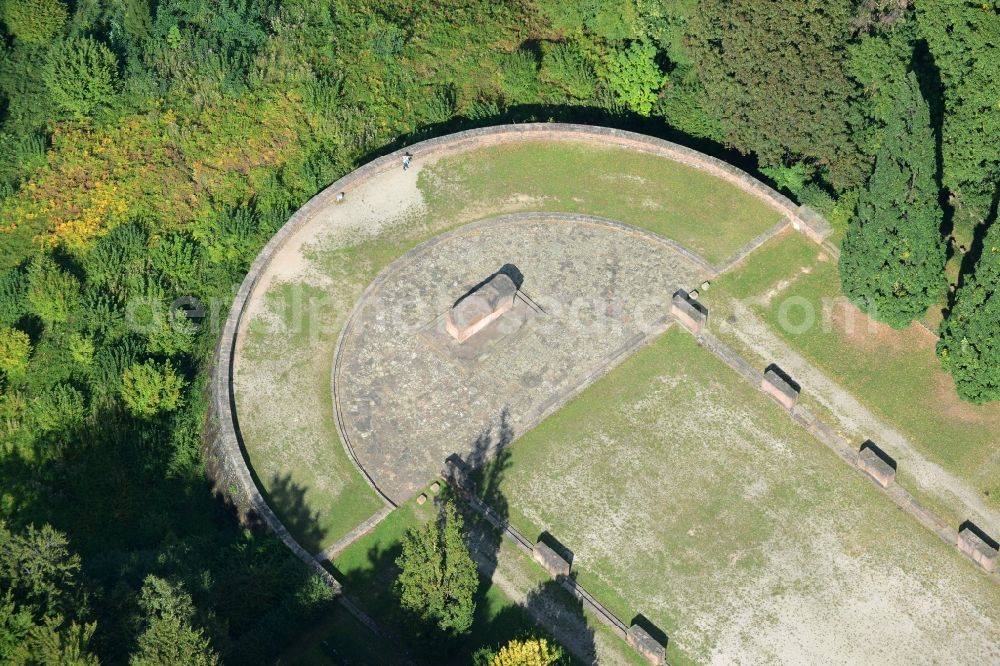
366 211
856 419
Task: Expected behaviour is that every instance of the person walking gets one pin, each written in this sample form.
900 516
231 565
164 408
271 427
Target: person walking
406 160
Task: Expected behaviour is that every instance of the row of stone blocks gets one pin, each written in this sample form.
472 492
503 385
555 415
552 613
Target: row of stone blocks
971 540
870 459
637 637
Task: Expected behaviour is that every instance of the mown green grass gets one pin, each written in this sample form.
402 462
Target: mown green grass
896 374
777 259
676 483
700 211
367 570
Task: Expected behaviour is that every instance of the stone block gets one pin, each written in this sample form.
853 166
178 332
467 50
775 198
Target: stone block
688 312
877 465
975 546
475 311
435 487
776 385
456 472
646 645
550 560
421 498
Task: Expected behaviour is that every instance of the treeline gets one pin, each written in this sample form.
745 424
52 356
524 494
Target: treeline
149 149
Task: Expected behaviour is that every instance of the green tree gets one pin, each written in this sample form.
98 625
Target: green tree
81 75
774 74
969 347
15 348
892 261
438 578
53 294
168 636
15 623
964 38
151 388
39 569
57 642
34 21
634 77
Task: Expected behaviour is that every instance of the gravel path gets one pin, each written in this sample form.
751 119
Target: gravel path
859 421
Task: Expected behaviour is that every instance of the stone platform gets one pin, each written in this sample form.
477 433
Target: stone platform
407 394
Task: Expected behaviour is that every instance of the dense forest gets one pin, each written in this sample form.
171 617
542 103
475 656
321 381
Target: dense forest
149 148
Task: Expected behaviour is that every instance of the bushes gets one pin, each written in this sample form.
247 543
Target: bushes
634 77
151 388
564 66
81 75
34 21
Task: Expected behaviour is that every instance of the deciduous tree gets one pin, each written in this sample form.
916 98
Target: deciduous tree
774 73
151 388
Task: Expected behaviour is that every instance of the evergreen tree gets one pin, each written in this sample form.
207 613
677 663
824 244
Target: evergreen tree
969 346
34 21
964 38
774 73
892 265
169 637
438 578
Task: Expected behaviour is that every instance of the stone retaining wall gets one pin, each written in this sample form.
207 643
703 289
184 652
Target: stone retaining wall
880 469
225 454
554 564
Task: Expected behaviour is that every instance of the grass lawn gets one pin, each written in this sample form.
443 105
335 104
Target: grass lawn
698 210
284 362
689 497
367 570
894 373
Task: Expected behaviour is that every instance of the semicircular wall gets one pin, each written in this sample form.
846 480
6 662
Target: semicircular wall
226 457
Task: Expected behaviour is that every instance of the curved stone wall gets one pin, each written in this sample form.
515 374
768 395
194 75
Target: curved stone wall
226 457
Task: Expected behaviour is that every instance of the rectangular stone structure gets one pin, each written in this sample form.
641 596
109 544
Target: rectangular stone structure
646 645
687 313
778 388
475 312
550 560
872 464
975 547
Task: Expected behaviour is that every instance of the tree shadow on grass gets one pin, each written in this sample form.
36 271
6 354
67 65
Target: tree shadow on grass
288 500
550 611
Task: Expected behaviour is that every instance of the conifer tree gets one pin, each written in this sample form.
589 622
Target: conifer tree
892 261
970 345
438 578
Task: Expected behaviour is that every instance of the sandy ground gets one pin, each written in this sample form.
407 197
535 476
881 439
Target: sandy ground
855 418
723 522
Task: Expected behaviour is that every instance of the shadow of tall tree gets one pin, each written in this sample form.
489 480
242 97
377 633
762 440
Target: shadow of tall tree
483 469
